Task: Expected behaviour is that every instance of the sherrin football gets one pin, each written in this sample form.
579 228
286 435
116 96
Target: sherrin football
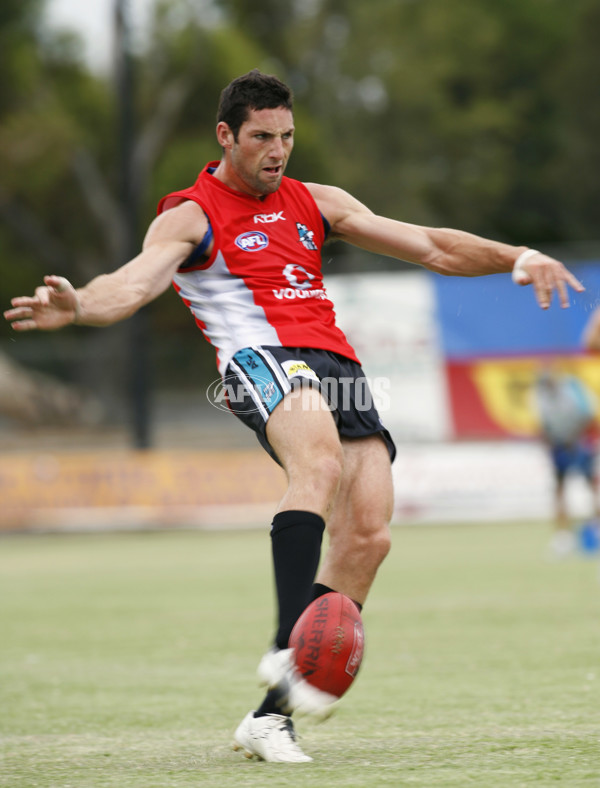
329 640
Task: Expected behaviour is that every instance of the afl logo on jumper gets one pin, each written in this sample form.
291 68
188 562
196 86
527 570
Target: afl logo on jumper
252 241
298 276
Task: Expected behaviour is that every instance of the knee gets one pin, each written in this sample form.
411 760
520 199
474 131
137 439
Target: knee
366 546
377 545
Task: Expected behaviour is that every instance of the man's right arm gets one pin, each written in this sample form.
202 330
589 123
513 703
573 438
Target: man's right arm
108 298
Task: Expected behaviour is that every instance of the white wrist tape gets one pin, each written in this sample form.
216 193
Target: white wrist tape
77 315
518 273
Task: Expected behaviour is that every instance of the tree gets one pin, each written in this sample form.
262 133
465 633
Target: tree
573 176
59 186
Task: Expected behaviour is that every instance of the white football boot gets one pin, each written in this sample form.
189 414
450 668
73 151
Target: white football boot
270 738
278 671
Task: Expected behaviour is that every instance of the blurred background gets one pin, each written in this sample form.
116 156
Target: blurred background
481 116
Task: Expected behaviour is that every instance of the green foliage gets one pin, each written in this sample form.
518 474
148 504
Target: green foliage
573 173
447 115
465 114
50 107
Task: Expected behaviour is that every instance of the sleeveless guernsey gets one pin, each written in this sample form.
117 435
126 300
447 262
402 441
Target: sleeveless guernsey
262 284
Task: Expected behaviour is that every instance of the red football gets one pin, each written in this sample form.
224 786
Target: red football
329 640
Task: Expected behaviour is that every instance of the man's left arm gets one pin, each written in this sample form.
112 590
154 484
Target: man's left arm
444 251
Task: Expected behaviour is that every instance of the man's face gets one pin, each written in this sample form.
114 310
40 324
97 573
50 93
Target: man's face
259 157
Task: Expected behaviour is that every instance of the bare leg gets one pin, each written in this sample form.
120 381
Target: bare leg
302 432
358 527
562 520
349 483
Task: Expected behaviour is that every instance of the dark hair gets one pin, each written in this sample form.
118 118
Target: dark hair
253 90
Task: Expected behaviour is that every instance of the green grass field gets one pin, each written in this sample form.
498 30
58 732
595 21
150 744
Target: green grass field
127 660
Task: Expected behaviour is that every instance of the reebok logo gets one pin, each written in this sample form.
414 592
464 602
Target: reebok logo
268 218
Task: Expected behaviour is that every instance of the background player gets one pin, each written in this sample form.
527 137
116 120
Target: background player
566 411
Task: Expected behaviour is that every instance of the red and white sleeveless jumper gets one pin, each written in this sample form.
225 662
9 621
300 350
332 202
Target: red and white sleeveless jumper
262 284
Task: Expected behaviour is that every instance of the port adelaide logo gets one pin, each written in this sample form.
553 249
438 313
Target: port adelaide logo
306 236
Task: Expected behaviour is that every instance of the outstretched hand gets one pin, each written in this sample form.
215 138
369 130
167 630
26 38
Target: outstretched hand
54 305
545 275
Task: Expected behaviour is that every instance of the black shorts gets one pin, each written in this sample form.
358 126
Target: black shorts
258 378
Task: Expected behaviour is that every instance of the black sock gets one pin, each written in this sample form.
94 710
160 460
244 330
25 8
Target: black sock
296 543
319 589
270 704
